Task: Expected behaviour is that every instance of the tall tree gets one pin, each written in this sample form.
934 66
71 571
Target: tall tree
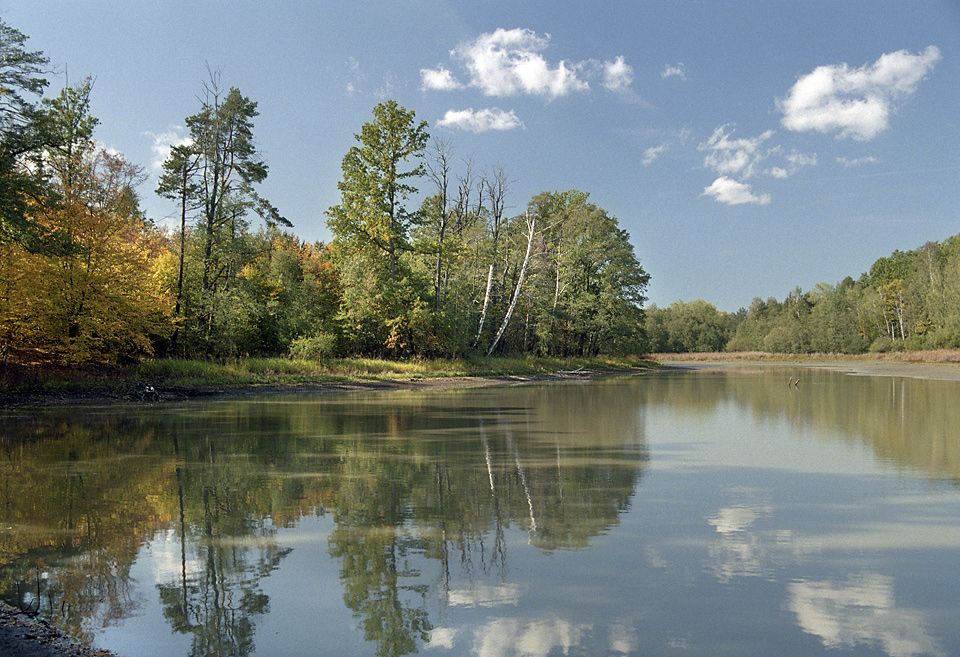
214 175
375 185
23 139
229 165
178 182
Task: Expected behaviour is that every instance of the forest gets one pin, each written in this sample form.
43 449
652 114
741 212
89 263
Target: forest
907 301
424 259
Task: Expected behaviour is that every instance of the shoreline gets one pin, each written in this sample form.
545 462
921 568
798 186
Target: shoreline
945 371
172 393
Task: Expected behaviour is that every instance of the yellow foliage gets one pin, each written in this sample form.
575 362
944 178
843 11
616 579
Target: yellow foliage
104 297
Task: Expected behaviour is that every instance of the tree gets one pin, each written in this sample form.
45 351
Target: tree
531 231
214 175
178 182
101 298
374 186
23 139
229 165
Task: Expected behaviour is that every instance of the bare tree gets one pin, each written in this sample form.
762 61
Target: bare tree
438 168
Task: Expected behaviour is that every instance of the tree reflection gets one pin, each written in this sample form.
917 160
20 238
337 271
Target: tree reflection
218 601
424 491
438 489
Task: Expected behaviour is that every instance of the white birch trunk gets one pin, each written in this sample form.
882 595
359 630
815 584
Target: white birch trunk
486 305
531 224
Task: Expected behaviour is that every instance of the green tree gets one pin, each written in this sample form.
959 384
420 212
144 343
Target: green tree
24 136
214 175
371 212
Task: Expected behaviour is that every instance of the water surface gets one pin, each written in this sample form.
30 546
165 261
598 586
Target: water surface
699 513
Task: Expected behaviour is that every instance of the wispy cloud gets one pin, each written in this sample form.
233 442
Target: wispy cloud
848 163
653 153
163 142
511 62
678 70
732 192
855 102
734 157
480 120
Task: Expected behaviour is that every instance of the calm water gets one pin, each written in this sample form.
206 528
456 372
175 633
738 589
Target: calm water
701 513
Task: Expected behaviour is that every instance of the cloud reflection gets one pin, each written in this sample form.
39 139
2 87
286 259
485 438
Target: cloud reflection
860 611
738 552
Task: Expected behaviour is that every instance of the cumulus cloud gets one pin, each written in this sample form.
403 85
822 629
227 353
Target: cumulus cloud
617 74
439 79
731 192
480 120
508 62
677 70
734 157
855 102
511 62
163 142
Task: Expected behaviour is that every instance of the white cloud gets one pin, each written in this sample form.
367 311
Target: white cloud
802 159
511 62
678 70
439 79
856 103
480 120
856 162
617 74
733 157
651 154
729 191
794 162
163 142
507 62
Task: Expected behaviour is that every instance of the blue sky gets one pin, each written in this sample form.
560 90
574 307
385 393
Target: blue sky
747 147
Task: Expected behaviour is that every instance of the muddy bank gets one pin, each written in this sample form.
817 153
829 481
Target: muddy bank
24 636
159 393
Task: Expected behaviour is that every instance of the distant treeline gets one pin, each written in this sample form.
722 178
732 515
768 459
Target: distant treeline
85 275
907 301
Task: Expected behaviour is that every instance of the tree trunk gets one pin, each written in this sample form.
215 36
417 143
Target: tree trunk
531 224
486 305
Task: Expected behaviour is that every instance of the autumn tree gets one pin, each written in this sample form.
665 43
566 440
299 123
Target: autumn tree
100 298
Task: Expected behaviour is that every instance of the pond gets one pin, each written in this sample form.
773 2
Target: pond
716 512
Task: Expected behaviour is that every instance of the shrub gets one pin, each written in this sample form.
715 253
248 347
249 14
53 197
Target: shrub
321 345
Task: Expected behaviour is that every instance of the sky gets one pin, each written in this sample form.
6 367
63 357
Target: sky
748 147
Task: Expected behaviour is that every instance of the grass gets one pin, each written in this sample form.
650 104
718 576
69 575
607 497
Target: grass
18 381
246 371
